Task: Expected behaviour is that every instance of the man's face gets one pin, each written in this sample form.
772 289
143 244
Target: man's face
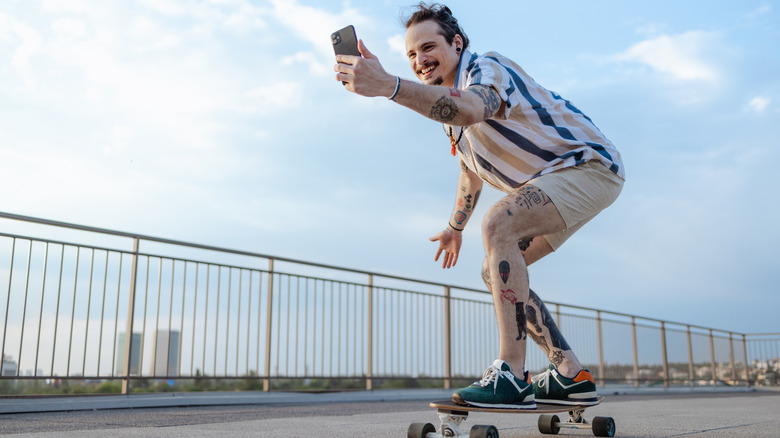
432 60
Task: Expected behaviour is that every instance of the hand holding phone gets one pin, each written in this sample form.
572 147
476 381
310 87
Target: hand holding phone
345 41
373 78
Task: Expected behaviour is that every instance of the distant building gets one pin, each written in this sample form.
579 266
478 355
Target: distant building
135 354
165 353
9 366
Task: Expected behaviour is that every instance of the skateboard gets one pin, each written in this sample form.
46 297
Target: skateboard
452 415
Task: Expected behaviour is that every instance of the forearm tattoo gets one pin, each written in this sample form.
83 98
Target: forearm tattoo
489 98
444 110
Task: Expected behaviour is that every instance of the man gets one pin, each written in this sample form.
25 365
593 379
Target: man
557 169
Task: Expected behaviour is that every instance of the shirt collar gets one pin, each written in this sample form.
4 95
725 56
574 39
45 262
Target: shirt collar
463 62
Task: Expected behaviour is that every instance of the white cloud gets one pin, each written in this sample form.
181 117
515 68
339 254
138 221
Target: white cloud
30 44
315 26
397 44
759 104
682 57
269 99
314 64
761 10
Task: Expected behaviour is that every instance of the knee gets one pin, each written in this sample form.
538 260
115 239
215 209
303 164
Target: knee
486 273
496 226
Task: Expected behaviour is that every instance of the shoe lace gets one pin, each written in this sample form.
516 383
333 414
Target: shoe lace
492 374
543 380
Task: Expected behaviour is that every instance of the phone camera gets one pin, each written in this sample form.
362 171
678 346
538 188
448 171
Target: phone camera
335 38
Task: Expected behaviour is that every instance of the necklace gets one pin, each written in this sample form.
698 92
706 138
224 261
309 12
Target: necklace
453 141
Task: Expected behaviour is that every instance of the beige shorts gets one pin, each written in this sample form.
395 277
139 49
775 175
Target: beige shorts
579 193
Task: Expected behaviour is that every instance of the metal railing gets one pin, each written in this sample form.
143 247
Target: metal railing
73 294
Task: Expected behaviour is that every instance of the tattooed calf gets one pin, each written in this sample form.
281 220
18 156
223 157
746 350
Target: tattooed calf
556 338
520 317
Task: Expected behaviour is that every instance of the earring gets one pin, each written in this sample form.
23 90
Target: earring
457 49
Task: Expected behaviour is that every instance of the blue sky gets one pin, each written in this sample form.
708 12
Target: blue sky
220 122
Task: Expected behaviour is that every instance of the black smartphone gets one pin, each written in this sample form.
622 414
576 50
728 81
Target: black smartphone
345 41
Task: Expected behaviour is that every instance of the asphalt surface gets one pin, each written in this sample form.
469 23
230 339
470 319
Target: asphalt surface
735 413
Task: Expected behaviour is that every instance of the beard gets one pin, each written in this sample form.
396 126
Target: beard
438 81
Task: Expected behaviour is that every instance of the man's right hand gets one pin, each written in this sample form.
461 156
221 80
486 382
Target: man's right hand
364 75
449 244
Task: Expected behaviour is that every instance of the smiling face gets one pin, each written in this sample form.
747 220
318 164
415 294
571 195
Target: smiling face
433 60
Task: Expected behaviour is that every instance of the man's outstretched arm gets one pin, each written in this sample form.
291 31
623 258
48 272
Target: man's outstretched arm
366 77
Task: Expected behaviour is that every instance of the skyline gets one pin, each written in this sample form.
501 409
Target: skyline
220 122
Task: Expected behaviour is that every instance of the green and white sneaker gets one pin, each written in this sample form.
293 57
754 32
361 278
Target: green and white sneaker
553 388
499 388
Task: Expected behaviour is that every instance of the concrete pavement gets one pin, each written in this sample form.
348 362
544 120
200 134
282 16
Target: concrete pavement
638 413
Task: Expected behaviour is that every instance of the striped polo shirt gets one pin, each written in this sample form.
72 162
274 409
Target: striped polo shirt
535 132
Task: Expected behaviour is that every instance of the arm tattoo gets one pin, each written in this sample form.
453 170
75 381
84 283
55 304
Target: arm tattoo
489 98
444 110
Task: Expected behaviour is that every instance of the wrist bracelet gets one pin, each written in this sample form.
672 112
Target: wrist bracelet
456 229
397 87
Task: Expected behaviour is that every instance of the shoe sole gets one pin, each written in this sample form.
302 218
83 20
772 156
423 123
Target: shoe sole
582 402
456 398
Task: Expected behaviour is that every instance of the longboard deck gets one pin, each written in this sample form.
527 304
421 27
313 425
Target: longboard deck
541 408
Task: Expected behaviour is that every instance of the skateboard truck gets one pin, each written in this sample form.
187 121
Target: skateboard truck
600 426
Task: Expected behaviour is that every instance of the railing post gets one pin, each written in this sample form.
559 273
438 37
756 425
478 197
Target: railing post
601 348
744 352
636 352
712 354
447 339
130 317
663 352
269 326
690 357
731 359
370 335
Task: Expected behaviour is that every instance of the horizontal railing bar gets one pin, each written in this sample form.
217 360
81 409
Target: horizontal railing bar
63 243
311 264
217 248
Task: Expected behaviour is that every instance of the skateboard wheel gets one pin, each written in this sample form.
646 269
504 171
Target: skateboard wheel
483 431
549 424
603 426
419 430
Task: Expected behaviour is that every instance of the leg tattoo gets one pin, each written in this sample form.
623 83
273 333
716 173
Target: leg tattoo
486 277
525 243
520 315
556 358
503 270
535 331
508 295
556 338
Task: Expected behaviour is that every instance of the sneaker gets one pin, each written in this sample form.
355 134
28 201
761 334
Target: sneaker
499 388
553 388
